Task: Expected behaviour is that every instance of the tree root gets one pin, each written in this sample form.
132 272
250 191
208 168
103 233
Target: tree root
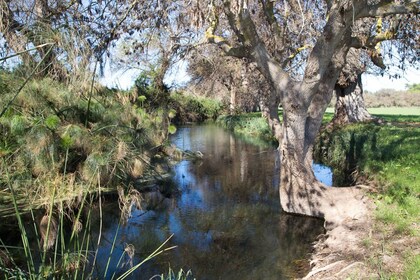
313 272
348 267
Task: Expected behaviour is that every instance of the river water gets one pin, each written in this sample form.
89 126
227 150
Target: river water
226 219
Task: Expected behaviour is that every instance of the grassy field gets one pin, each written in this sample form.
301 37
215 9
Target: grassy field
393 114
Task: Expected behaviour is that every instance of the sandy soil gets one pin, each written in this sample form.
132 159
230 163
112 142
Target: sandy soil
358 249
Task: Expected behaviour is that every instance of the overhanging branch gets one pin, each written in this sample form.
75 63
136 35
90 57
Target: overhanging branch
386 8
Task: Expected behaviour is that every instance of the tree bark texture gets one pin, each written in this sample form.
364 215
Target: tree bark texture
350 106
304 102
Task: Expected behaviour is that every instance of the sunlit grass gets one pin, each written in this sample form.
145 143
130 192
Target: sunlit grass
387 158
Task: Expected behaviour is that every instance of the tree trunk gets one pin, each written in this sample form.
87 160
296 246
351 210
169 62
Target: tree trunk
304 104
350 106
300 191
269 110
232 104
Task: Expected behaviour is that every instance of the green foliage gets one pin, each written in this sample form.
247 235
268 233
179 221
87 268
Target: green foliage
413 88
45 135
52 122
18 124
247 124
172 129
148 94
51 155
385 154
193 109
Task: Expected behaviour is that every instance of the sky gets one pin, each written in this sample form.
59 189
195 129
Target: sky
372 83
122 79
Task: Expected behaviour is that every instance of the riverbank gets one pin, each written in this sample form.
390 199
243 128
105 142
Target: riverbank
67 140
383 160
62 147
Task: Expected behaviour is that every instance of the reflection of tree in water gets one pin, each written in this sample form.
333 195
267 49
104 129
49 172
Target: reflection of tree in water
245 241
226 220
242 170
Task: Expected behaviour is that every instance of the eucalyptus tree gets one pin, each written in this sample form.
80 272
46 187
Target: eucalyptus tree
402 51
272 34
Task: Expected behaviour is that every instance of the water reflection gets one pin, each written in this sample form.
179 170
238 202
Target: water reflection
226 220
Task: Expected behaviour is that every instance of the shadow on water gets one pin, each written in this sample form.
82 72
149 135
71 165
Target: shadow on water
226 219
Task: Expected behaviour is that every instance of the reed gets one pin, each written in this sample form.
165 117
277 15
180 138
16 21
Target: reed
56 255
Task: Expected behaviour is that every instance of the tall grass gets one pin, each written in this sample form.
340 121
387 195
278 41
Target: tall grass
59 253
60 147
50 134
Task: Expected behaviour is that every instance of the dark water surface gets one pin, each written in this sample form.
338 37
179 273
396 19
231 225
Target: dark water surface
226 219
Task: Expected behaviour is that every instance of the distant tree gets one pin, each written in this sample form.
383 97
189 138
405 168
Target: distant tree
234 81
403 30
414 88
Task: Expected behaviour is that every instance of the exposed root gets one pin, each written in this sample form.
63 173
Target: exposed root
348 267
339 253
327 267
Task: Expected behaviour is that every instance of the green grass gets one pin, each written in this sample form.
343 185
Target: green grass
387 157
390 114
251 125
385 154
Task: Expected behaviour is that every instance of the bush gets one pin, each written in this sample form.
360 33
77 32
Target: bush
391 98
194 109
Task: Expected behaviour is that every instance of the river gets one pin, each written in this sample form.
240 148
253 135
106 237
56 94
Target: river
226 219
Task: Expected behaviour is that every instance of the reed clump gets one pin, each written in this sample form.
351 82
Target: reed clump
61 147
72 140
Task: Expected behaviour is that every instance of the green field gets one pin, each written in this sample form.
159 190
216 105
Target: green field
391 114
403 111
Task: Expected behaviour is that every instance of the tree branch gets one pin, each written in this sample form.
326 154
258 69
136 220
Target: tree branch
386 8
222 43
271 68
